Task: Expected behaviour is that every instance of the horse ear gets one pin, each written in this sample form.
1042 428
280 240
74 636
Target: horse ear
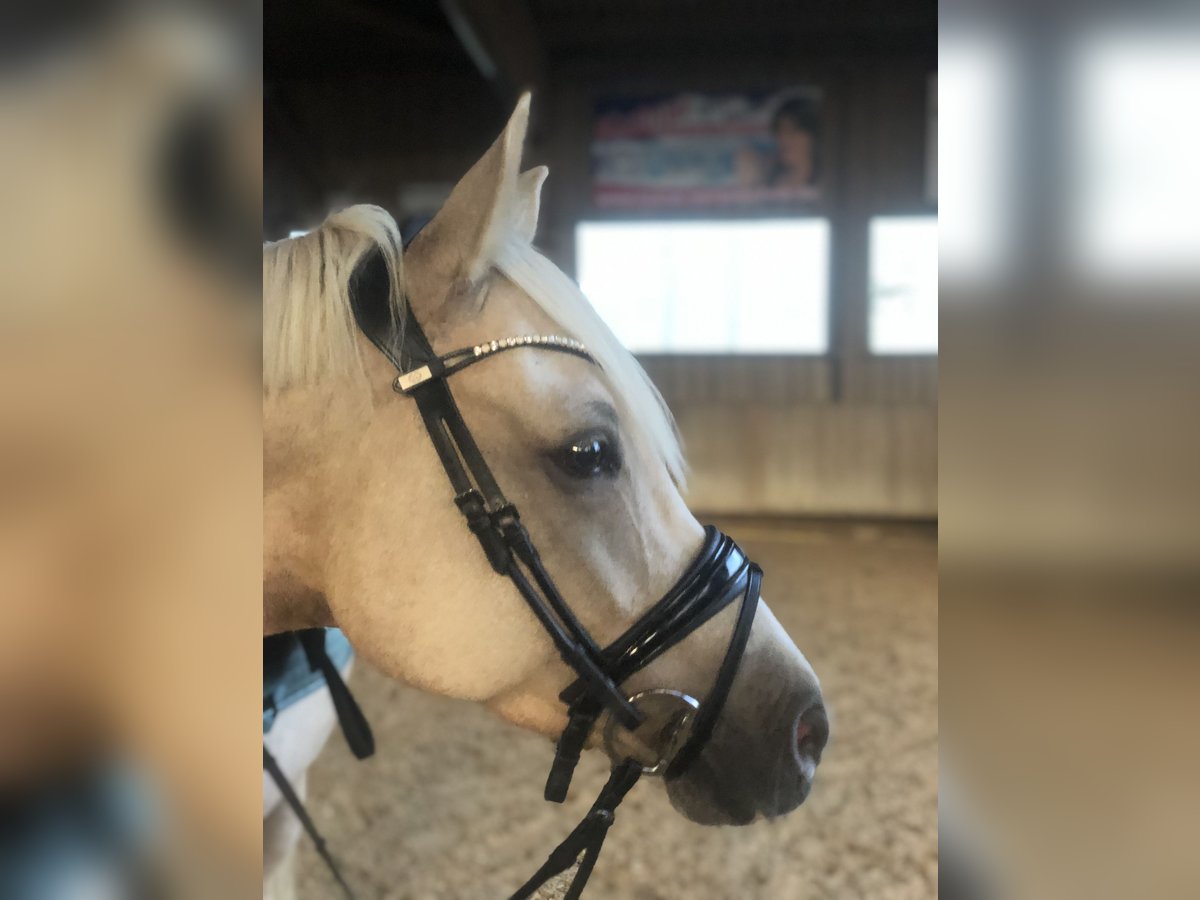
529 201
460 244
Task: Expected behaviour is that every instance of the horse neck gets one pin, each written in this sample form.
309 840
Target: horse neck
301 428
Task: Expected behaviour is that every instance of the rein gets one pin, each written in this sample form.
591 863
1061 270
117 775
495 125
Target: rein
657 732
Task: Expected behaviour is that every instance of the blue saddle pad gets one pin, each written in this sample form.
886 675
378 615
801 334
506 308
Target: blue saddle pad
287 676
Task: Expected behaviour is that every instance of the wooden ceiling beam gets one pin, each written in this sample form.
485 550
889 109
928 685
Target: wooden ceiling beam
501 38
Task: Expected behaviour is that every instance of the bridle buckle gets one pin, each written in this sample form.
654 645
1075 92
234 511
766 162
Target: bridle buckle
406 382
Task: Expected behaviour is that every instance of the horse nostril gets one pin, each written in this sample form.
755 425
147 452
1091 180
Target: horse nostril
812 731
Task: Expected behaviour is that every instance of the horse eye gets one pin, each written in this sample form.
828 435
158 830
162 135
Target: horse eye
590 455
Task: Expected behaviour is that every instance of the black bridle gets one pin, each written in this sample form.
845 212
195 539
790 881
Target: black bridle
719 574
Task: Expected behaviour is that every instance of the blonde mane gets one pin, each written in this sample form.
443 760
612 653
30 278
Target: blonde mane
309 332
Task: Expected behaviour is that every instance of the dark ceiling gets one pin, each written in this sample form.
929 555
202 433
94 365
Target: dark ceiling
331 39
607 28
352 81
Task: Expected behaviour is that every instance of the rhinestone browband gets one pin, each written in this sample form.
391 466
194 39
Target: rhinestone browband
458 359
523 341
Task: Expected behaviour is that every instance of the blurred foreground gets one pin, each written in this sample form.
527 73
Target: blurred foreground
1069 493
130 454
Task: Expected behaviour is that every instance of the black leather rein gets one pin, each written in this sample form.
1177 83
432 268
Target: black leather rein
720 574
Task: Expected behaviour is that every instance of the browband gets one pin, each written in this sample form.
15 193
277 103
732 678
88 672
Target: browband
456 360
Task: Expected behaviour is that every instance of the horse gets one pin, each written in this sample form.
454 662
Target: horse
359 532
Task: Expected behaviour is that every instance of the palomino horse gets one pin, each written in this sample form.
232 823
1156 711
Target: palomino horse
359 532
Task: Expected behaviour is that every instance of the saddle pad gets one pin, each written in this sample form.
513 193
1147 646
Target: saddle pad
287 676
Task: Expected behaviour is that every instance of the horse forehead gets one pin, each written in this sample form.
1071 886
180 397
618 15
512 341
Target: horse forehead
544 383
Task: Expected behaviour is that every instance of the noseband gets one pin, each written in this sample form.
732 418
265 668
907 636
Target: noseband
655 732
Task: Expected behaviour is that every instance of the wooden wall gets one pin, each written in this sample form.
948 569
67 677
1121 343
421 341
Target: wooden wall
843 434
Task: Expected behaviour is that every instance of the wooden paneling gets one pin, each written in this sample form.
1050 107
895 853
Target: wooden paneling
843 459
762 380
891 381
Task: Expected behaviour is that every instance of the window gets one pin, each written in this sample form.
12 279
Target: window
1134 202
904 285
709 287
978 78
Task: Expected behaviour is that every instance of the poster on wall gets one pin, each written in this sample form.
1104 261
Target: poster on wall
707 151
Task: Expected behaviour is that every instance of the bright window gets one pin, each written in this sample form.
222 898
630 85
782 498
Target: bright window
977 82
1134 204
904 285
709 287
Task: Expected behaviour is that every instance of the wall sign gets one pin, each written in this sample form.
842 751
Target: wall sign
706 151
